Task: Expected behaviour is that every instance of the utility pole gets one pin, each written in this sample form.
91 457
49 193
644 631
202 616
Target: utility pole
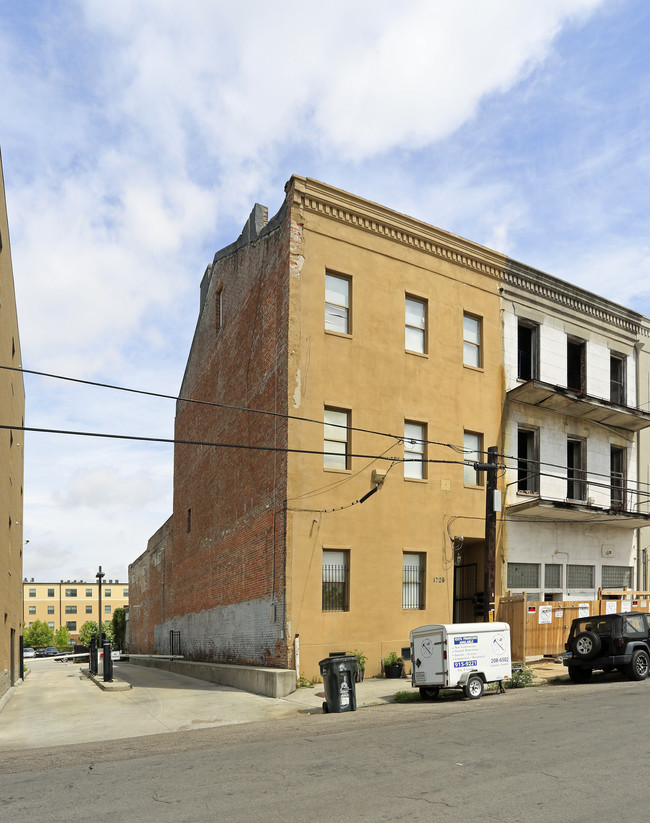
490 468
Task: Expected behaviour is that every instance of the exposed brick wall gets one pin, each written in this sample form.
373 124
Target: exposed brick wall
147 591
221 580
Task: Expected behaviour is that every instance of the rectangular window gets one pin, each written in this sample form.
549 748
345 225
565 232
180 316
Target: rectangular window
125 592
188 524
71 625
50 609
89 609
50 592
617 481
32 592
617 379
70 592
617 577
414 450
107 592
337 304
107 609
415 325
218 312
335 596
49 625
336 439
527 348
472 446
472 341
527 461
412 580
70 609
576 356
523 575
580 577
89 592
32 609
552 576
576 474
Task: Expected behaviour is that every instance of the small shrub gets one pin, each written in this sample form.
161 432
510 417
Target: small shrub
520 678
407 697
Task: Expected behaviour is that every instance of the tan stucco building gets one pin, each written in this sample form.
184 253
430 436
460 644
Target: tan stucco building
72 602
371 344
12 412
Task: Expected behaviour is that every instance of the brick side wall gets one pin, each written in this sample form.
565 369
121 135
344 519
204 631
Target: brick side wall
147 591
225 573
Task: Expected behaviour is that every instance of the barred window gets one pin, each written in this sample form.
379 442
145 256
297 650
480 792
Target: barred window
580 577
617 577
553 576
523 575
412 581
335 581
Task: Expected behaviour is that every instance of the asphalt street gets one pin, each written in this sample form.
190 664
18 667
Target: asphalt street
560 751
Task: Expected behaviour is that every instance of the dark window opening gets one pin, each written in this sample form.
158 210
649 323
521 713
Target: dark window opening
617 379
618 477
576 484
526 351
576 377
527 467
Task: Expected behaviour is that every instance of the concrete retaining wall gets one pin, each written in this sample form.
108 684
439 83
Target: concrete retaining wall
256 679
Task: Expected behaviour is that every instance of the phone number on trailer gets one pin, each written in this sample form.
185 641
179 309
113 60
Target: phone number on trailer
465 664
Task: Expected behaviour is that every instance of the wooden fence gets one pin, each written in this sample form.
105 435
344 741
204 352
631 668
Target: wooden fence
538 629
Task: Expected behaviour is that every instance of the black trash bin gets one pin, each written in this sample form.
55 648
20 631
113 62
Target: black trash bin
338 678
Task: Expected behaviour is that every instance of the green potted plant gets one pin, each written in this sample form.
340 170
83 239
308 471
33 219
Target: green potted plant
361 665
393 666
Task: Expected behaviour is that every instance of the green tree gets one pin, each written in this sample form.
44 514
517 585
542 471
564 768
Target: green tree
118 627
89 630
62 638
39 634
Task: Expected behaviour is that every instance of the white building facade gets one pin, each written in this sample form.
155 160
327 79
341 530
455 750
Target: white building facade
573 502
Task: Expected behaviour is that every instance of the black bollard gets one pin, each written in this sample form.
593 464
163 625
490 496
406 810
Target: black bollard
92 647
108 662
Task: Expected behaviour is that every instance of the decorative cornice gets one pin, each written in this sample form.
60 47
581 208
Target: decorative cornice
311 195
573 298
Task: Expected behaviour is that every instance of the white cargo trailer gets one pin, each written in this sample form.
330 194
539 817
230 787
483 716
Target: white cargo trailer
459 656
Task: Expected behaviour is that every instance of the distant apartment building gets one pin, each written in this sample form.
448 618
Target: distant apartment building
12 413
349 367
72 603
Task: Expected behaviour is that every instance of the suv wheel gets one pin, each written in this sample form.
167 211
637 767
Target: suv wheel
639 665
579 675
586 645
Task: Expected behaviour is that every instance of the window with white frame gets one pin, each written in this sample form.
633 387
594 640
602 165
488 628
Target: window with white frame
472 448
336 439
32 609
414 450
415 325
617 379
472 341
412 580
335 584
337 303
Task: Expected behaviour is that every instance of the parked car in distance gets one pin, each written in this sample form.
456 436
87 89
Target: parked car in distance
28 652
50 651
608 642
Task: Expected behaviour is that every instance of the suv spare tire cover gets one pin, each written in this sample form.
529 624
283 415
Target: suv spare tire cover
586 645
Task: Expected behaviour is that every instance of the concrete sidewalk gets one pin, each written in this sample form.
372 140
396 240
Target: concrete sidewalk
58 704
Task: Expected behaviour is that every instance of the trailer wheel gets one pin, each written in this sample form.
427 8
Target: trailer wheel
474 687
429 692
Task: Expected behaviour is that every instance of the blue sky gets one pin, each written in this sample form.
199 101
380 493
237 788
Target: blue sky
137 135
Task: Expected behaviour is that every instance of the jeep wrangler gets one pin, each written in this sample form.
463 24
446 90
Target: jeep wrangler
608 642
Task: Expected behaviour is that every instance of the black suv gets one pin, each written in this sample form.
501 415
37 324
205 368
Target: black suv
608 642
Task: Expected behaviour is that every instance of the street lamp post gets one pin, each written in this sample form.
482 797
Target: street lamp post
100 574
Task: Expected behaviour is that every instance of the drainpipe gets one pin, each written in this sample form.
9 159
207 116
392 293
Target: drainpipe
640 578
